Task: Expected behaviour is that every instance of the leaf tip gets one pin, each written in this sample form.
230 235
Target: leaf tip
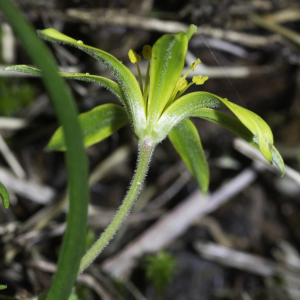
4 195
40 34
50 148
204 192
191 31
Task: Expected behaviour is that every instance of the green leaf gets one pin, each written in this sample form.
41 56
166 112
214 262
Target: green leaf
4 195
96 125
168 56
183 108
256 125
277 159
3 287
73 296
237 127
125 78
112 86
186 140
229 122
74 236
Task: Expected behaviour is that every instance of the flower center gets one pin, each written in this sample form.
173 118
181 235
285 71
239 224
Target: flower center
135 58
181 85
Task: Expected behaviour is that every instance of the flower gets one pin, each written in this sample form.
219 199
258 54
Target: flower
160 107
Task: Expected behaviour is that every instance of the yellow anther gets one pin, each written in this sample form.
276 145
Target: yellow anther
195 64
182 85
133 56
147 51
178 84
199 79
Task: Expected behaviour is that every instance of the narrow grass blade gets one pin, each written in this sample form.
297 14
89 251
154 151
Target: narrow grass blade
76 160
4 195
96 124
186 141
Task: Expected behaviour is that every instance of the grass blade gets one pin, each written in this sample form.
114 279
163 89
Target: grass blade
74 237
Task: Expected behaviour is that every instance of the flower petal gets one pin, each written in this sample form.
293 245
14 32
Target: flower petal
114 87
256 125
186 141
97 124
125 78
186 105
168 56
237 127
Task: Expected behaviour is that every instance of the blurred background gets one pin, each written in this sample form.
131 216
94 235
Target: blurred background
242 240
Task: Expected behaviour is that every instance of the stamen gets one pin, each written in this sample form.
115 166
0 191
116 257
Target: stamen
180 84
135 58
147 53
195 64
196 80
147 83
183 90
192 68
140 77
199 79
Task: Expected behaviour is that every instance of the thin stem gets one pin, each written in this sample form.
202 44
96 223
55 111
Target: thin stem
146 150
140 77
182 91
147 83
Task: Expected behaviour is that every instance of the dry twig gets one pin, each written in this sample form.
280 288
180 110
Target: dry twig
121 18
35 192
245 261
255 155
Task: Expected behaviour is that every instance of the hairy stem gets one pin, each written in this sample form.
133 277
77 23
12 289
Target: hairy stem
146 150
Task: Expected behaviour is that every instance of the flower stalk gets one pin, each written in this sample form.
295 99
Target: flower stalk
145 153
